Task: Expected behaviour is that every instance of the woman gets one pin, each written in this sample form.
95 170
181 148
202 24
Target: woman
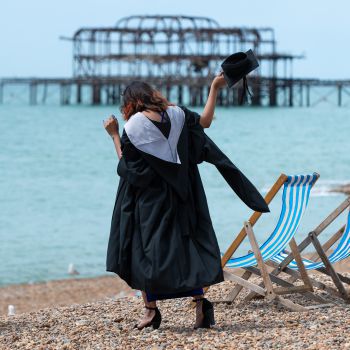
162 241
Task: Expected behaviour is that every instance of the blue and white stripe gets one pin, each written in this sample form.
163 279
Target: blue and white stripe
295 197
341 252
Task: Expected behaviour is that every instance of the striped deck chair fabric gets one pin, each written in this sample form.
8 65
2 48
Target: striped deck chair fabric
341 252
295 197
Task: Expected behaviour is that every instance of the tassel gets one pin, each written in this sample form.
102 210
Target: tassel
245 92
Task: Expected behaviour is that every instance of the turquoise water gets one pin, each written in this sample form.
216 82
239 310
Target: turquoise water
58 179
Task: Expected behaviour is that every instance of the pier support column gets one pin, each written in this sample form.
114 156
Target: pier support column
168 92
272 93
118 97
196 95
220 98
201 93
301 101
96 94
308 95
179 94
227 97
32 94
1 93
291 97
236 93
78 93
68 94
285 96
109 94
193 97
113 94
43 99
64 94
256 91
339 95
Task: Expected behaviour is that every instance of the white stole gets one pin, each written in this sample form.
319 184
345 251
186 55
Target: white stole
146 137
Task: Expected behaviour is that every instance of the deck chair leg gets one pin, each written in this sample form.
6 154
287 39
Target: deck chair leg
328 267
270 294
287 284
237 289
264 273
295 275
304 276
302 270
344 279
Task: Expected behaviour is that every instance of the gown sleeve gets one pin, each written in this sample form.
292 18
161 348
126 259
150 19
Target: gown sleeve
132 167
202 148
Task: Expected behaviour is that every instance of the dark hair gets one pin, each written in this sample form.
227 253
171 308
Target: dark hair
139 96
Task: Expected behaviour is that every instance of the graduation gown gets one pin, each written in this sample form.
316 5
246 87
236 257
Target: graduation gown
161 236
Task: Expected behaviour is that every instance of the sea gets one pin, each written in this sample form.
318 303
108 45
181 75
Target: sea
58 179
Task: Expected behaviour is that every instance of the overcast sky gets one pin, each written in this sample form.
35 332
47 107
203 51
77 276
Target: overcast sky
30 29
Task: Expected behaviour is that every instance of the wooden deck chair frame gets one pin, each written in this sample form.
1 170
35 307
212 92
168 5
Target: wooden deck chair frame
320 254
267 290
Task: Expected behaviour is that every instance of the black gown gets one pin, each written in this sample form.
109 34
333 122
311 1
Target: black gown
161 238
164 127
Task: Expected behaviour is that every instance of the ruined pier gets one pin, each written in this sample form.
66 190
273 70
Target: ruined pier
179 55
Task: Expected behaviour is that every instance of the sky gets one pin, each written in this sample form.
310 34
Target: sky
30 30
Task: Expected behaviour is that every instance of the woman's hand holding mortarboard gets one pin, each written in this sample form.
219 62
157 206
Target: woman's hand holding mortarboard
208 112
219 81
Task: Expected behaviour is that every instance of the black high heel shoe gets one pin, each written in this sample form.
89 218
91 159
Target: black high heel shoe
208 313
155 322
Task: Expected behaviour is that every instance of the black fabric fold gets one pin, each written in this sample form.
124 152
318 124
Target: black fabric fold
206 150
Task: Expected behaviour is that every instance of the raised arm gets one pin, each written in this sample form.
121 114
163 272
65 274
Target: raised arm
208 112
112 127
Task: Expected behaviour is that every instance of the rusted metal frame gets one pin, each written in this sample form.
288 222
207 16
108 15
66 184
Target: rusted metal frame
229 31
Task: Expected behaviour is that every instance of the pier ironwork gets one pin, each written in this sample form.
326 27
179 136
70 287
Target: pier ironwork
179 55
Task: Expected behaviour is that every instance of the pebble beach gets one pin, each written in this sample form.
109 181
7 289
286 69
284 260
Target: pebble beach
107 323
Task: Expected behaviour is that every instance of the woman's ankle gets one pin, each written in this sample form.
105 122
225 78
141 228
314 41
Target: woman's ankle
148 304
198 297
151 305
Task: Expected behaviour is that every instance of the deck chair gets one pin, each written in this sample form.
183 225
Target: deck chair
295 197
283 262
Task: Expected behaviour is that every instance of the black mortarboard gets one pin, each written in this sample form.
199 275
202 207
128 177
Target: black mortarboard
237 66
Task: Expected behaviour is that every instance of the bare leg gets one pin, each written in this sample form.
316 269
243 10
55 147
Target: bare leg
149 314
199 312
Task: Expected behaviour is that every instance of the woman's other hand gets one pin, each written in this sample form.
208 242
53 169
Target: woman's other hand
111 125
219 81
